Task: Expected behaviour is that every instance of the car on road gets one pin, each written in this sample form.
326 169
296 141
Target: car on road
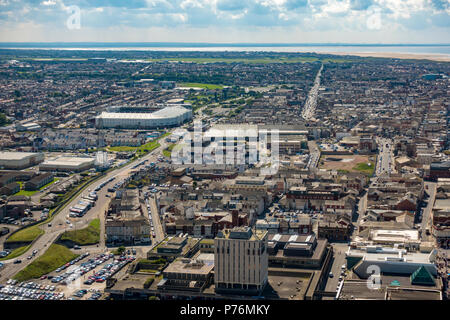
17 261
331 275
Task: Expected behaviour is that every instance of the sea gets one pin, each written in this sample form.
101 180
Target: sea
426 49
442 50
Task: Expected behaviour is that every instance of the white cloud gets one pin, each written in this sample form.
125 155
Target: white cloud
48 3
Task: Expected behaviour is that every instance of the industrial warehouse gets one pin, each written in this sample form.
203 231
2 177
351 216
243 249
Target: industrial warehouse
75 164
20 160
166 117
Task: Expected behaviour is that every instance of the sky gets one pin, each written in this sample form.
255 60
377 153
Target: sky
226 21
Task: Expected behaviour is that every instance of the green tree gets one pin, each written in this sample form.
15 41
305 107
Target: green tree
3 120
121 250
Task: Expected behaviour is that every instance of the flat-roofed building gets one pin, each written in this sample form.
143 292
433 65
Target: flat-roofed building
186 274
296 251
241 261
19 160
390 260
75 164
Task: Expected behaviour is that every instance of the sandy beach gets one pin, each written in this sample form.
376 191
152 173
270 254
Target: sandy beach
396 55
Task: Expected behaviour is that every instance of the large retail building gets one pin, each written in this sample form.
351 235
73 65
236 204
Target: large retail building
19 160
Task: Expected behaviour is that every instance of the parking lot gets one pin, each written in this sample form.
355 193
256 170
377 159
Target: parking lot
29 291
74 281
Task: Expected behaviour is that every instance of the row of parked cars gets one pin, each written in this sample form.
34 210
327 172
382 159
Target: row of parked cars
29 291
341 276
82 292
109 270
101 185
150 217
74 272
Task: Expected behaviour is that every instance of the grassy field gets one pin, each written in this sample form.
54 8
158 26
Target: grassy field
201 85
29 193
342 162
16 252
86 236
55 256
26 235
168 151
255 60
30 233
364 167
145 148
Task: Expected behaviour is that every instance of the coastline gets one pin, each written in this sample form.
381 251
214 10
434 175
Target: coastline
396 55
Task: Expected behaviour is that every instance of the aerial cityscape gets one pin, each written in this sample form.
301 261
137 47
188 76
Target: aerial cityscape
210 172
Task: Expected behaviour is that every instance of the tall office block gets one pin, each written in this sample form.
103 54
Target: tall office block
241 261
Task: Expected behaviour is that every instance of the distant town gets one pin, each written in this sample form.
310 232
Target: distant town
185 175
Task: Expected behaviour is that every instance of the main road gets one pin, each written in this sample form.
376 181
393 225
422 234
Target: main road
385 157
311 103
430 188
61 222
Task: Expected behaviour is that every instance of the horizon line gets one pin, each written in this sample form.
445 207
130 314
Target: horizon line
214 44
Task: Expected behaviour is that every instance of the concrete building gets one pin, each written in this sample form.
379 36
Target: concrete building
167 117
389 260
75 164
19 160
241 261
186 274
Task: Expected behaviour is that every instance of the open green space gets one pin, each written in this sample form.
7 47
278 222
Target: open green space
168 151
29 234
145 148
29 193
86 236
26 235
201 85
16 252
55 256
256 60
364 167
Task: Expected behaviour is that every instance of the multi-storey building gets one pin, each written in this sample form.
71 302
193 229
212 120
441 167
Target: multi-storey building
241 261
